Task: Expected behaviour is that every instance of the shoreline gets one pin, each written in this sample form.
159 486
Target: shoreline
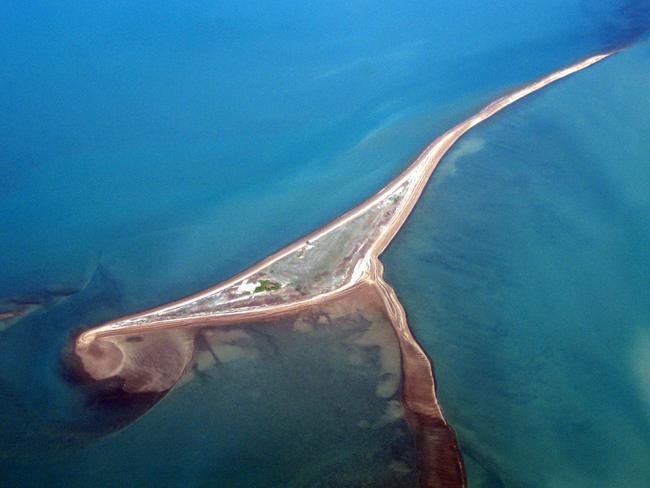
440 460
421 170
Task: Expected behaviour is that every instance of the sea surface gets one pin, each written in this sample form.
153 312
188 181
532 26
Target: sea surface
150 150
525 270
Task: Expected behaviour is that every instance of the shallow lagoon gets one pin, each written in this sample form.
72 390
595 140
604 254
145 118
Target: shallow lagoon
308 399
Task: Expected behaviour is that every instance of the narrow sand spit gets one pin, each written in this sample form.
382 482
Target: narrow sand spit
336 260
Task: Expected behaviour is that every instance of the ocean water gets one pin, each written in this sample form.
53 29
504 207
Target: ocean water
525 271
153 139
148 151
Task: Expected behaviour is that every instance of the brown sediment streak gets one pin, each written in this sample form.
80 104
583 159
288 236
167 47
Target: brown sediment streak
379 219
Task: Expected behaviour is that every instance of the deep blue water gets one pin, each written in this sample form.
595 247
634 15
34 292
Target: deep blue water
525 272
150 150
147 134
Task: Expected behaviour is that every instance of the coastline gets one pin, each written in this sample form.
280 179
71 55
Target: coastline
420 170
363 268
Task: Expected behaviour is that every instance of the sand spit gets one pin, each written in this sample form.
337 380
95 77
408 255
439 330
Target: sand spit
337 260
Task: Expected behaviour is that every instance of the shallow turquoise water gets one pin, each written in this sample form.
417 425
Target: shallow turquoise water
274 410
525 271
150 151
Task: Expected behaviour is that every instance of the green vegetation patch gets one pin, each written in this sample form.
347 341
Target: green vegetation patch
267 285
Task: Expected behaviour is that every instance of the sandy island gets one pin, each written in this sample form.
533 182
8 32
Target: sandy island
338 259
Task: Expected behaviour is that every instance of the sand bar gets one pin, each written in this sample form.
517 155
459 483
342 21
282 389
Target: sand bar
334 260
